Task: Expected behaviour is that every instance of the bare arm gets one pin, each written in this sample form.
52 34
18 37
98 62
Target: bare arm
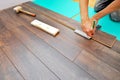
84 9
87 22
115 5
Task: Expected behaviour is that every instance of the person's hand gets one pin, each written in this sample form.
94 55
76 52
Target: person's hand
87 26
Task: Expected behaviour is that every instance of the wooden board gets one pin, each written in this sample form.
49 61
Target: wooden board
104 38
116 46
7 69
97 68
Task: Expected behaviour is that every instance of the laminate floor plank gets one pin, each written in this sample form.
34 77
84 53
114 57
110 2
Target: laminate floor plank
60 65
116 46
94 66
7 69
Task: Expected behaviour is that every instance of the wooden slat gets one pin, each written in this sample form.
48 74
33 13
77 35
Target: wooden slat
1 33
28 65
109 41
4 34
116 46
7 70
52 58
110 57
105 39
95 67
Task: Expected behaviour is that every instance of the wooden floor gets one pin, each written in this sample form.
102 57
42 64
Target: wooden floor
28 53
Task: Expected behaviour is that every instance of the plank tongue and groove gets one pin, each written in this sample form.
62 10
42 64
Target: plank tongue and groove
96 67
104 38
101 37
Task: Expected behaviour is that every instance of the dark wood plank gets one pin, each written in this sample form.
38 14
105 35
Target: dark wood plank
99 36
59 42
97 68
4 34
7 70
116 46
1 32
105 39
28 65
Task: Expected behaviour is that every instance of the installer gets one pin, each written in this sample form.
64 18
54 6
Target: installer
102 7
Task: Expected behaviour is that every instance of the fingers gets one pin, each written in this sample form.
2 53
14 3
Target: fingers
89 32
88 27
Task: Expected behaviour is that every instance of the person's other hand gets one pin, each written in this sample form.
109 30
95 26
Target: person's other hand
87 26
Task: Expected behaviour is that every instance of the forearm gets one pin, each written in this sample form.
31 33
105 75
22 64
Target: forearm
115 5
84 9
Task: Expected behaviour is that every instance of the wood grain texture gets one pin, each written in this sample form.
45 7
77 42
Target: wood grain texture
7 70
116 46
28 65
60 65
1 32
95 67
105 39
5 34
59 42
